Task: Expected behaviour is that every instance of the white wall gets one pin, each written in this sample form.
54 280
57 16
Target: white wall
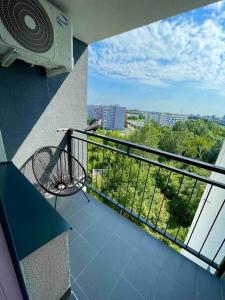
212 206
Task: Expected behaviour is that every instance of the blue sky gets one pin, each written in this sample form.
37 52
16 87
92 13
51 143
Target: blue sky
175 65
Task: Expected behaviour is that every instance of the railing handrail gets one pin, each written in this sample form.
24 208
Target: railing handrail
180 158
156 163
74 143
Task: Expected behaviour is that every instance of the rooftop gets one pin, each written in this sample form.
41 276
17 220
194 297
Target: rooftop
112 258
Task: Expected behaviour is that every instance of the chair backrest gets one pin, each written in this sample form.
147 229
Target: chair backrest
57 171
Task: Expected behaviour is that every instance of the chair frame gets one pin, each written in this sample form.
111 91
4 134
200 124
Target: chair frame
69 155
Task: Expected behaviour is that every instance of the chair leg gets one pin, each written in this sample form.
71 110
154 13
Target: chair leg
55 201
86 195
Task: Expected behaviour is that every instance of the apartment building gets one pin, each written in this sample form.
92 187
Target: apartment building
113 116
165 119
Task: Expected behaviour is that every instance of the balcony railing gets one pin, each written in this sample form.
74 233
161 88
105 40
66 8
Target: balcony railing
157 189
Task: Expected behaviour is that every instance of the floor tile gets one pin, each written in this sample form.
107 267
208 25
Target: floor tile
223 287
73 234
97 280
81 220
112 258
112 220
169 289
71 280
78 292
68 206
142 274
115 254
81 253
97 235
123 290
129 232
72 296
209 287
154 249
176 265
97 208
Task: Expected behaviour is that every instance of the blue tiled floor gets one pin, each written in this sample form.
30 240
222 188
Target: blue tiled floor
112 258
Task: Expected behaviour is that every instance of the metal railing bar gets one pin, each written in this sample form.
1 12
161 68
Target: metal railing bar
152 198
135 190
214 221
158 164
182 172
220 247
96 172
121 178
134 184
177 194
78 150
192 192
101 145
74 149
167 183
142 198
103 161
92 169
221 270
87 159
114 171
82 154
165 154
200 214
109 163
131 163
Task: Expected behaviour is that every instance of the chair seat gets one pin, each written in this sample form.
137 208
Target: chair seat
65 188
57 171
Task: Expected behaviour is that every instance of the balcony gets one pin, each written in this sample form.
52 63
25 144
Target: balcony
112 258
118 244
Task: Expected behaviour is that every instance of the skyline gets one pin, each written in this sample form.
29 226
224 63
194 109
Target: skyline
154 67
147 111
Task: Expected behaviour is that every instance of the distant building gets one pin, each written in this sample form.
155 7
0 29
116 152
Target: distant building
154 116
132 125
212 118
134 115
113 116
165 119
222 121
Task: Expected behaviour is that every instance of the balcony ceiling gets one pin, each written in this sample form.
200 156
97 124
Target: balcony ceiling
95 20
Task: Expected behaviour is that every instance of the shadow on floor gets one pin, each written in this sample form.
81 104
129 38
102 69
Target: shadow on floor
112 258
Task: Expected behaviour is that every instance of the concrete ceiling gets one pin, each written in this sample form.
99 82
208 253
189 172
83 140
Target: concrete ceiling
95 20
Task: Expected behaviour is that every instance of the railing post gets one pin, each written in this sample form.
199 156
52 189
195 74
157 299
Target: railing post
128 150
69 140
221 270
69 149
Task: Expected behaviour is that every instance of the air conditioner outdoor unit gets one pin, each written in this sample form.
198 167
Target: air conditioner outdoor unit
36 32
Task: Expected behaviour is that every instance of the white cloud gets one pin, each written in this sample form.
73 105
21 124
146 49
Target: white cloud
217 6
165 52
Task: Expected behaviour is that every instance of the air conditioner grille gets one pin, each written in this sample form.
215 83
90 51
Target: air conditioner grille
28 23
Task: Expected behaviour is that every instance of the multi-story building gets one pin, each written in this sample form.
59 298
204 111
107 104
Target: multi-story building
165 119
94 111
113 116
152 115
